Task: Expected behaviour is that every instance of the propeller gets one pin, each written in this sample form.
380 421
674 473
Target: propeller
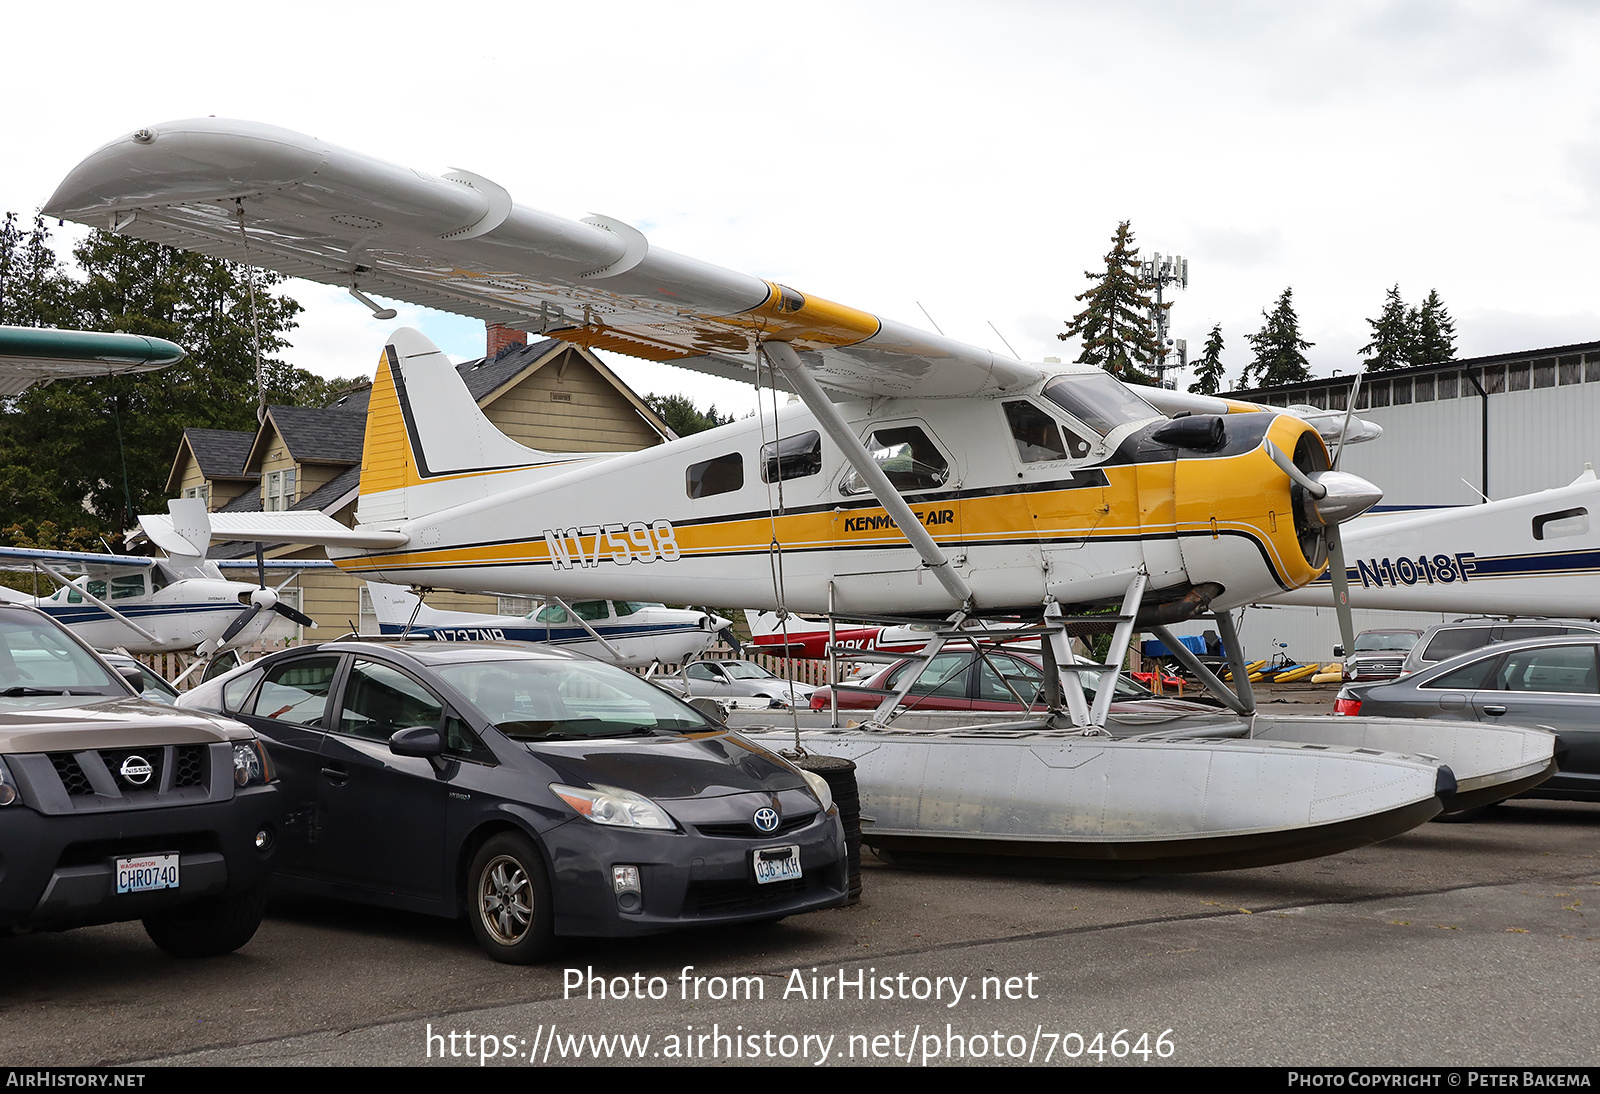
1337 496
264 600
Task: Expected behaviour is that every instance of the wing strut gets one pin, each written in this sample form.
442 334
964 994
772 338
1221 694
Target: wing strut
783 356
584 623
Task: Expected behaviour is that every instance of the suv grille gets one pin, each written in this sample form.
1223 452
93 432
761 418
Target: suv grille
121 778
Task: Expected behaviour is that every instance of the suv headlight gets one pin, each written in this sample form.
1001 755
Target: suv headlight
819 787
250 764
614 806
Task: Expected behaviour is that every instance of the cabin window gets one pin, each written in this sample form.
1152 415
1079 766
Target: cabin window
1038 436
794 457
908 457
591 609
1098 401
279 490
1567 522
128 585
723 475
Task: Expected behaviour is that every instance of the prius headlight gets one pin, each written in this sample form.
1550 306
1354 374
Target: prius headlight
819 787
614 806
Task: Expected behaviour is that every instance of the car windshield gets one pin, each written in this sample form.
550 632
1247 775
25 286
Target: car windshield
746 670
555 700
39 662
1372 641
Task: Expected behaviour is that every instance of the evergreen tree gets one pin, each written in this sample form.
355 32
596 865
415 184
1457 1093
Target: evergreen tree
97 452
1393 333
682 416
1208 370
1115 324
1279 356
32 286
1433 332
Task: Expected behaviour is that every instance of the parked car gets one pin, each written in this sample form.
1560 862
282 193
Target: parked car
113 808
1378 654
1443 641
961 680
535 791
1551 683
739 681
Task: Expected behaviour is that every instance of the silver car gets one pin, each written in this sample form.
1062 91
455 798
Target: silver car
743 682
1443 641
1545 683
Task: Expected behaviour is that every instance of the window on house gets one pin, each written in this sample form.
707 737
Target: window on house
202 492
280 490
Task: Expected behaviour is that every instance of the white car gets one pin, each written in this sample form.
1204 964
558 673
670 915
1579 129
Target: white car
744 683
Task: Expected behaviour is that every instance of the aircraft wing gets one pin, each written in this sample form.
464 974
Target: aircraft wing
1329 424
273 565
22 558
32 354
271 197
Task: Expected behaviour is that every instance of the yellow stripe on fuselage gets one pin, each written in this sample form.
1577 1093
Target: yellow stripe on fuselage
1244 494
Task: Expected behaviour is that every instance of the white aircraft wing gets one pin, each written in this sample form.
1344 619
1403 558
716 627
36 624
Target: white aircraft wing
271 197
273 565
22 558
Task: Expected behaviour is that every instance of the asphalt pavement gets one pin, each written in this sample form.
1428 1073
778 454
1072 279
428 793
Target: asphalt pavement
1452 945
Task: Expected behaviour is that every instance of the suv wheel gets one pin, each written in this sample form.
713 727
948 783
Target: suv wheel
509 901
209 927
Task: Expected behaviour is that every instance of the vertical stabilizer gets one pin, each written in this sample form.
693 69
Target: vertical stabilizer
428 445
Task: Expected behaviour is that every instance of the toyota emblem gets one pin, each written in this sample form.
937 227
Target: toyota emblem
765 819
136 770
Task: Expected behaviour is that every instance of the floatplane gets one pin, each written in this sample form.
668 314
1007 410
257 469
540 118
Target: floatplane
917 478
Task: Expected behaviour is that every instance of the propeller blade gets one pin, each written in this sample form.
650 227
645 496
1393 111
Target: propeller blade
240 622
1349 409
1286 465
261 566
1341 588
295 614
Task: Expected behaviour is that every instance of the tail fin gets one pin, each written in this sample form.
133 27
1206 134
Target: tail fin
394 605
428 445
768 623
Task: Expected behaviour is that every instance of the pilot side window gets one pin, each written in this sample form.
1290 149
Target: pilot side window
379 701
723 475
128 585
794 457
1038 436
908 457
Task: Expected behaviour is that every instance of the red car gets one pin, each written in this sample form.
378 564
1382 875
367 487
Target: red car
961 680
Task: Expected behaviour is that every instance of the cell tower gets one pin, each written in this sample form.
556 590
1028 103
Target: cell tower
1157 273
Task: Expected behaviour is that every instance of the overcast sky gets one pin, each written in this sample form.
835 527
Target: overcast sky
974 158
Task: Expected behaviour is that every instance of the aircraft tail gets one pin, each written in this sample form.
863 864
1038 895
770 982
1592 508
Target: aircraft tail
762 623
394 605
428 445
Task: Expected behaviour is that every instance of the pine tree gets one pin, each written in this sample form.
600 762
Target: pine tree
1208 370
1433 333
682 416
1278 347
1393 333
1115 323
32 286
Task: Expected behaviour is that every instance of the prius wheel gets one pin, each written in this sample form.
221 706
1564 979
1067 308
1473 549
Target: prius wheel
510 901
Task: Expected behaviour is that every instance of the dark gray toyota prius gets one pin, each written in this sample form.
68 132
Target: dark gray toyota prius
537 792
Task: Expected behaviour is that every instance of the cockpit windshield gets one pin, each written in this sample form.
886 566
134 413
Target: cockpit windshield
1098 401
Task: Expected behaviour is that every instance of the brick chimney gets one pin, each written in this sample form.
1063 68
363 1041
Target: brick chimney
500 337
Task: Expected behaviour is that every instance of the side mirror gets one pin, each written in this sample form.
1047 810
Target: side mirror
133 675
420 741
1338 651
